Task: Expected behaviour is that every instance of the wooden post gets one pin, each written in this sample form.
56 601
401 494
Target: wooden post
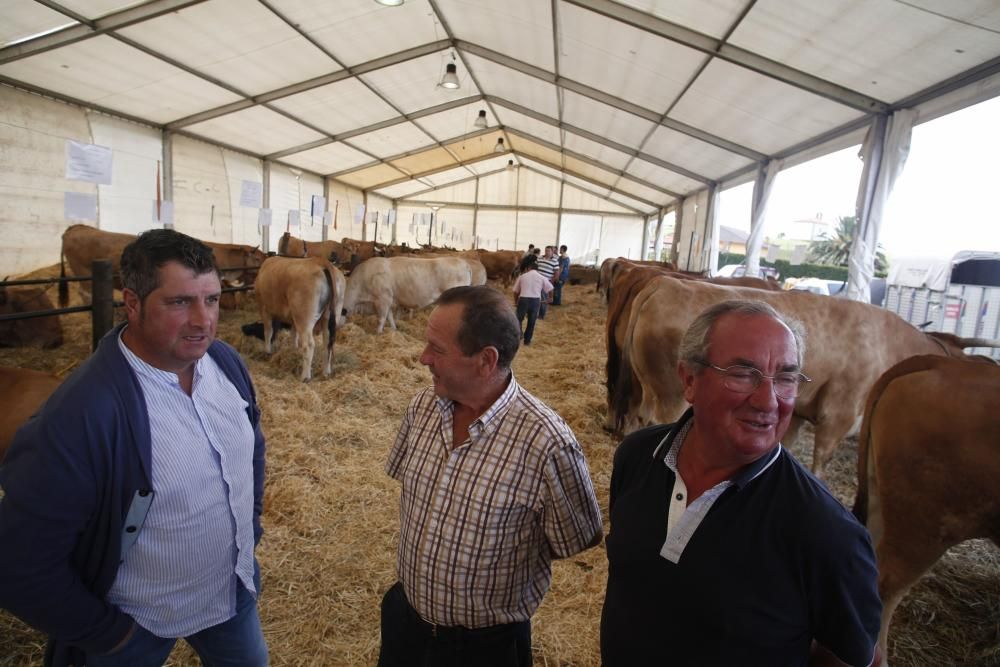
102 299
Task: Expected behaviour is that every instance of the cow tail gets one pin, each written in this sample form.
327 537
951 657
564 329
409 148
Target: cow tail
331 307
63 285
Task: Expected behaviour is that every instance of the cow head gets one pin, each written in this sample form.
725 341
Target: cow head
45 332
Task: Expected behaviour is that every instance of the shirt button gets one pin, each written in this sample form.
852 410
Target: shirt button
130 529
680 496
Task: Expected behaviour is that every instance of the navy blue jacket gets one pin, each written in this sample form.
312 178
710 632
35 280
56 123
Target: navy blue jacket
69 478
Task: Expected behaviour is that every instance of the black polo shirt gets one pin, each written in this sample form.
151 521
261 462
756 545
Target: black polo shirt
777 562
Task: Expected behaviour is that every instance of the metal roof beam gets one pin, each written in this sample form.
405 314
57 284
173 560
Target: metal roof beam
536 209
592 181
429 172
733 54
88 29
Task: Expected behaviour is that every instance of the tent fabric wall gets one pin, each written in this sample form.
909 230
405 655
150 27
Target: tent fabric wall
536 227
201 191
239 168
289 193
127 204
495 229
344 202
621 237
691 236
581 234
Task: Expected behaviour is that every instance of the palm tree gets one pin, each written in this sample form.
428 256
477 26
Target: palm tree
836 249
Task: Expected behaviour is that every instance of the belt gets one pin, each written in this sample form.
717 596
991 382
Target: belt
454 632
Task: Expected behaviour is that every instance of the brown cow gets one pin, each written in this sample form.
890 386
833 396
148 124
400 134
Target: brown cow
928 467
306 293
606 273
22 392
500 264
359 251
848 346
231 255
81 246
290 246
45 332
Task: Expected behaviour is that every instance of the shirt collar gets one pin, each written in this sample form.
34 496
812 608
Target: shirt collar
674 440
151 372
493 414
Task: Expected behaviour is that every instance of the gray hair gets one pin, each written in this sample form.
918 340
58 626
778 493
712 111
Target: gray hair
695 343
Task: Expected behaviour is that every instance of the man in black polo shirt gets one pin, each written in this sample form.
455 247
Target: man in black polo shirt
723 549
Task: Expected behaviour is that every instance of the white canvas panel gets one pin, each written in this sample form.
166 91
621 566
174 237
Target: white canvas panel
581 168
837 41
582 200
337 107
378 230
514 86
239 168
499 189
604 120
328 159
356 32
447 176
711 17
391 141
497 231
413 85
257 130
632 204
534 189
545 169
693 154
499 162
344 200
459 193
630 187
521 29
527 147
527 124
754 110
611 157
402 190
664 178
621 237
425 161
622 60
33 133
106 72
581 234
538 227
597 189
289 193
94 9
126 205
26 18
446 125
202 199
453 228
256 52
371 177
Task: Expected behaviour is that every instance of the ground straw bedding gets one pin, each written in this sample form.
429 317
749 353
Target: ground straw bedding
330 513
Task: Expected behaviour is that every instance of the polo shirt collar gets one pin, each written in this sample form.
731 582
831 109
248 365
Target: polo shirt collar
493 415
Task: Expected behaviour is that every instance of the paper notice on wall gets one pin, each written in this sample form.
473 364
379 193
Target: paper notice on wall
359 214
327 218
88 162
773 252
293 218
80 206
798 254
264 217
251 193
318 206
166 213
391 219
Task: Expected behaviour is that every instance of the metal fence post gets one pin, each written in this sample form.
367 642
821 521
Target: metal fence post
102 299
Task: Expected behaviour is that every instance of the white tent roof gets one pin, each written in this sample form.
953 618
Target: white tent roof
638 102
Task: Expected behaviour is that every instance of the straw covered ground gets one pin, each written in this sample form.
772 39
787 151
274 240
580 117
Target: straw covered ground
330 513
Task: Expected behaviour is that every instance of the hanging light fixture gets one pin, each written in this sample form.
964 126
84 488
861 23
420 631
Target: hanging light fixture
481 119
390 3
450 78
510 165
499 148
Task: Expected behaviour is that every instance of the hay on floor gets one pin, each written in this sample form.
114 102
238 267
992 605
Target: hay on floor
330 513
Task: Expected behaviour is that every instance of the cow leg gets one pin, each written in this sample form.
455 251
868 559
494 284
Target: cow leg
268 331
328 323
307 346
832 425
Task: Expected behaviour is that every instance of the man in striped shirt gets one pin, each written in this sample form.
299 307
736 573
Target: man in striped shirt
548 267
133 498
494 486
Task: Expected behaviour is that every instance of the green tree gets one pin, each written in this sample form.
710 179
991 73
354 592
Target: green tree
835 250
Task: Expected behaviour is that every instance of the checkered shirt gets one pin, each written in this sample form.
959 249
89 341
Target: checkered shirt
480 523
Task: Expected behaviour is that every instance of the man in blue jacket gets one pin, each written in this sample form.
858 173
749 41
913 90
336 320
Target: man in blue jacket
133 498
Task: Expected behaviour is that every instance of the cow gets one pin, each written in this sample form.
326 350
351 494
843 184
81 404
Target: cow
230 256
334 251
408 282
848 346
928 467
359 251
583 275
45 332
500 265
22 392
605 274
306 293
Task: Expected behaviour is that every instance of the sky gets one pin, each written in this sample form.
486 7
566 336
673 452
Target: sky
945 201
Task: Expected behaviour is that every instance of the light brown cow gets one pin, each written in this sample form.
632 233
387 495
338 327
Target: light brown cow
606 273
359 251
306 293
500 264
231 255
45 332
22 392
334 251
848 346
928 467
408 282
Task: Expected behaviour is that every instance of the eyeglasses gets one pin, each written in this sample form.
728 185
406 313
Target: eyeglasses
746 379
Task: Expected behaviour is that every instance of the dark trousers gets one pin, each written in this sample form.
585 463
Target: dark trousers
410 641
527 307
557 293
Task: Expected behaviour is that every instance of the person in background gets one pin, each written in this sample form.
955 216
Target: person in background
494 486
724 550
530 289
133 498
548 266
562 275
531 251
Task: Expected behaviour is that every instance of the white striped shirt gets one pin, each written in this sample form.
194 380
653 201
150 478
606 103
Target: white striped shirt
480 523
178 577
548 267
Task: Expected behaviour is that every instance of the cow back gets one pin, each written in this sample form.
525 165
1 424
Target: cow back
22 392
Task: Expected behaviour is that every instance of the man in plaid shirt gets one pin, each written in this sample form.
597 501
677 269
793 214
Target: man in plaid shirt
494 486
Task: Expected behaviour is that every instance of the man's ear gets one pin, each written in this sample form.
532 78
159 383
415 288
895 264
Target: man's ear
488 358
132 303
686 376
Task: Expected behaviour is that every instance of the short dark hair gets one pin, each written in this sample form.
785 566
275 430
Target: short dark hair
528 263
487 319
142 258
563 248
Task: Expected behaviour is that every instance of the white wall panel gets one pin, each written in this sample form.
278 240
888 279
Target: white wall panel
344 202
127 204
621 237
495 230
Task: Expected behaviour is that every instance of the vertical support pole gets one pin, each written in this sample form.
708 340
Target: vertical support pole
475 218
364 218
562 185
102 300
326 198
265 232
168 170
